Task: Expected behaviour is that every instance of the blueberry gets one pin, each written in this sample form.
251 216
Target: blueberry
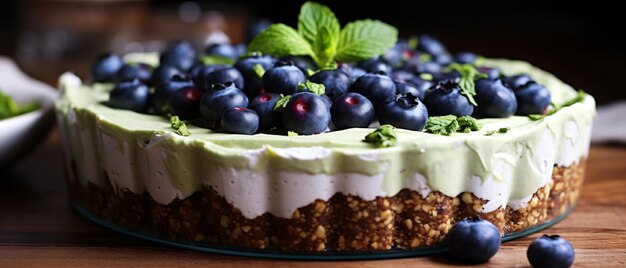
430 67
430 45
375 65
492 73
162 93
336 82
180 55
306 114
395 56
133 95
421 85
408 87
352 110
240 120
200 72
443 59
453 76
445 98
240 49
283 78
185 102
465 57
494 99
550 251
256 27
355 73
304 63
221 50
164 73
404 111
106 67
224 75
402 75
219 99
264 105
516 81
532 98
252 81
377 87
345 67
130 72
473 240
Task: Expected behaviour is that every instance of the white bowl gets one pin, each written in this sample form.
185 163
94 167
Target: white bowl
20 134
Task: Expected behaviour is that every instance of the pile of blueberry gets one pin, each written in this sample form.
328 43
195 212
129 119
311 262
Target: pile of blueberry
402 88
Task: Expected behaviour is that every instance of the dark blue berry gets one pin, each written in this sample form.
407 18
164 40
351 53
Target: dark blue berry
465 57
306 114
550 251
492 73
355 73
453 76
256 27
200 72
404 111
430 45
162 93
304 63
445 98
377 87
219 99
253 83
408 87
240 49
402 75
180 55
185 102
396 55
106 67
336 82
164 73
264 105
430 67
473 240
532 98
421 85
516 81
494 99
133 95
443 59
221 50
139 71
375 65
352 110
283 78
224 75
240 120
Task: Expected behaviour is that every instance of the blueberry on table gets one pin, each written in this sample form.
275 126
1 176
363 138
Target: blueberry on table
133 95
179 54
532 98
375 65
185 102
352 110
222 97
264 105
306 114
336 82
356 73
550 251
225 75
240 120
516 81
304 63
283 78
165 73
404 111
106 67
409 87
465 57
445 98
492 73
430 45
139 71
200 72
162 93
494 99
222 50
473 240
377 87
252 75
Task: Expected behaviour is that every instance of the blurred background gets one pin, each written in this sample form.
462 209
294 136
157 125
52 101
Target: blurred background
582 43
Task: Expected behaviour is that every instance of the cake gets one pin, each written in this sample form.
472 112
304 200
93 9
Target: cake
327 193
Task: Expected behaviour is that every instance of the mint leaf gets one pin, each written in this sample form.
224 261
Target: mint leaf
282 102
443 125
315 88
412 42
214 60
383 136
179 126
324 46
425 57
364 39
469 74
503 130
580 97
468 124
292 134
258 70
426 76
312 18
280 40
9 108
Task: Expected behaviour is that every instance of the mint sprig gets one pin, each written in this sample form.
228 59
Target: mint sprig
580 97
281 103
9 108
213 60
180 127
448 124
258 70
320 36
383 136
315 88
469 74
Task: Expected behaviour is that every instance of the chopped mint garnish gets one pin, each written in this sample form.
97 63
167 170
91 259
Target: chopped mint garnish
469 74
448 124
501 130
9 108
258 70
213 60
282 102
315 88
179 126
310 72
426 76
320 36
383 136
291 134
580 97
412 42
425 57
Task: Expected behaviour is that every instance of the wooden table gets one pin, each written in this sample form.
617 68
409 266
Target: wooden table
38 228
